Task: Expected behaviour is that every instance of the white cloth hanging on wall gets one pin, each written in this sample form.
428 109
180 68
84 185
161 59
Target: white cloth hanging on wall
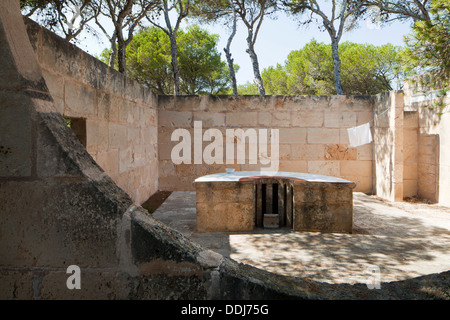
360 135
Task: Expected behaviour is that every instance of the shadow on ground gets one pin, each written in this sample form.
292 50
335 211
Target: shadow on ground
401 240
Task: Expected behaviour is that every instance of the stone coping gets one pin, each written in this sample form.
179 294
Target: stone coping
250 175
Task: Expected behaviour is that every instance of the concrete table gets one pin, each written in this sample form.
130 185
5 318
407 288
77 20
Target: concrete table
243 200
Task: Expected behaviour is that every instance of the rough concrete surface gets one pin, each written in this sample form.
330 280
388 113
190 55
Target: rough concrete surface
404 240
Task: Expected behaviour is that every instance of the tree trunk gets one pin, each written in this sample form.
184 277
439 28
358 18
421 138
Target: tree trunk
176 72
255 64
121 58
113 56
337 67
228 55
121 52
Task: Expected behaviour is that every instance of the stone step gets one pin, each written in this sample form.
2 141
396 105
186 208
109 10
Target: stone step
271 221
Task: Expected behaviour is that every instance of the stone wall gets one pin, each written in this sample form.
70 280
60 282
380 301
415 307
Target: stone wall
411 146
388 145
433 142
59 208
312 134
114 116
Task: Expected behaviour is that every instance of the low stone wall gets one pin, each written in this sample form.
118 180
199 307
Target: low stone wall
313 134
113 116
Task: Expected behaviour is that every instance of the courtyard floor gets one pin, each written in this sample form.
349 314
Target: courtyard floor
402 240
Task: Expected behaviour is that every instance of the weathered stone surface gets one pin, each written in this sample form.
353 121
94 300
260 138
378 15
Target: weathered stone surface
339 152
78 215
16 127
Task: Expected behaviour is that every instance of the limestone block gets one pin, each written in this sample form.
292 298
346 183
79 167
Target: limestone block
339 152
323 217
139 155
323 136
108 106
210 119
332 119
60 55
280 119
165 151
124 109
95 72
356 168
308 119
151 152
347 120
365 152
17 285
364 117
294 166
117 136
339 119
242 119
185 170
134 135
409 188
97 134
173 119
308 152
264 118
410 137
79 100
363 184
410 171
109 161
15 132
126 159
220 217
55 85
292 135
284 151
64 225
324 167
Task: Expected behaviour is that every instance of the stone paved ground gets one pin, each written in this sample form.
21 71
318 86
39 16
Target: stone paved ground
403 240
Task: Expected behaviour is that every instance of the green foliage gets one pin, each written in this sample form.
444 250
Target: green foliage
148 60
427 52
248 89
201 69
365 69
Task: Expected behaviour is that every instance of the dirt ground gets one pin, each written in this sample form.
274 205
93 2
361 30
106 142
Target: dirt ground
394 241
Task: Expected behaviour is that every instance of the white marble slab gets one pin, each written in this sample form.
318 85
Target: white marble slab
237 175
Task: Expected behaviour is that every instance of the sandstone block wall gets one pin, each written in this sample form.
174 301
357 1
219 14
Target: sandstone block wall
116 117
312 134
433 142
225 206
58 208
411 145
388 145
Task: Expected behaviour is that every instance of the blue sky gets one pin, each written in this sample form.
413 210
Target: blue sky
278 37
